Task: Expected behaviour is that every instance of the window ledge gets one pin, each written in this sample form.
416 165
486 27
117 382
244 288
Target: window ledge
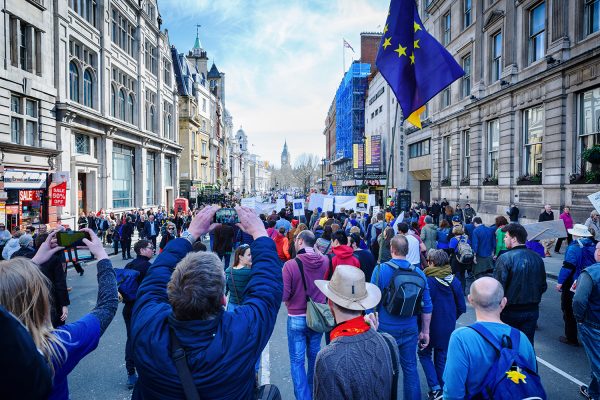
38 4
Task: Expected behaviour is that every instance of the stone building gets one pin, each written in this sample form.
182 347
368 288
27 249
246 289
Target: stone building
28 142
327 169
514 127
116 106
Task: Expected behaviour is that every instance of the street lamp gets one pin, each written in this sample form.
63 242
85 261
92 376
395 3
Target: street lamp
322 175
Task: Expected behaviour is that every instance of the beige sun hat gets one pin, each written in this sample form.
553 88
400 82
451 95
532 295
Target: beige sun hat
580 230
347 288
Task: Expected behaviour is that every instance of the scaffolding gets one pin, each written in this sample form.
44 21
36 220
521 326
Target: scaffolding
350 109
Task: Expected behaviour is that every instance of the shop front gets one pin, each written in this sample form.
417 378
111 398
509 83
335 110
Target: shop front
26 198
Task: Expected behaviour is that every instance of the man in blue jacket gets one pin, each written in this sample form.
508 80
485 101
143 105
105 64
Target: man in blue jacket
183 295
404 329
484 243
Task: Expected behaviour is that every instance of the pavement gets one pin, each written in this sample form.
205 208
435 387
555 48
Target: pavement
102 375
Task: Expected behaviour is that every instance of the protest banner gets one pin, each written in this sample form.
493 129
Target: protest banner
546 230
362 201
298 207
249 202
328 204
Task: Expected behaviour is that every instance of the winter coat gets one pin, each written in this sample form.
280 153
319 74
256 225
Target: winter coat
344 255
282 245
11 246
220 357
429 236
315 266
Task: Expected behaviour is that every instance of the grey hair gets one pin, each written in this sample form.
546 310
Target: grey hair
487 300
399 245
428 219
307 237
197 287
438 257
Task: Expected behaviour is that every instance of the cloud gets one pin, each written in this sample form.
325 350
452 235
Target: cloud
282 59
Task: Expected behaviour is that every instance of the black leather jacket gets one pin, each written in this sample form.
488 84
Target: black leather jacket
523 276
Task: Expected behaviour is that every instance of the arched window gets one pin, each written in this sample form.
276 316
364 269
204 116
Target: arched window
130 108
74 82
113 102
122 104
88 86
152 120
168 126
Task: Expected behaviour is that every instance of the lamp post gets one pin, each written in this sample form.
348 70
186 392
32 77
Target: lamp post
322 175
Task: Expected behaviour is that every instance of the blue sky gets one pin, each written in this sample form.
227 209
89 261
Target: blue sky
282 60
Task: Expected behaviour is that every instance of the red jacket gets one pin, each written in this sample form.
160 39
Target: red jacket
342 255
282 245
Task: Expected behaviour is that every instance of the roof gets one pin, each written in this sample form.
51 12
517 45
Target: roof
214 72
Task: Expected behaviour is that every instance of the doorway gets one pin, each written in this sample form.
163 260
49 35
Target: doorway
82 192
425 191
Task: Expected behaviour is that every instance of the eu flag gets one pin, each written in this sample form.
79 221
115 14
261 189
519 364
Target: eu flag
415 65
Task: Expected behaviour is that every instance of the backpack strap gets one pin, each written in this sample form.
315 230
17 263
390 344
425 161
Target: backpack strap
183 370
395 366
487 336
330 270
301 267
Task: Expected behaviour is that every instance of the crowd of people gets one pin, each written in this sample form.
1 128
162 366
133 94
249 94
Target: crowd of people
384 291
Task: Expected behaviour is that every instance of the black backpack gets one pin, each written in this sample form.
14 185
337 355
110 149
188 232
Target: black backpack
403 296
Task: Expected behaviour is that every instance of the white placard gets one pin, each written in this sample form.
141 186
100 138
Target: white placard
280 204
249 202
376 210
328 204
315 201
595 200
398 220
298 207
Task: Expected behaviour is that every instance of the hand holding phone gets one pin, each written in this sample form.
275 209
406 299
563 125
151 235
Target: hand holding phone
228 216
72 238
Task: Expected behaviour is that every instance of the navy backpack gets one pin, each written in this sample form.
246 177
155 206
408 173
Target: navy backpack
127 283
510 377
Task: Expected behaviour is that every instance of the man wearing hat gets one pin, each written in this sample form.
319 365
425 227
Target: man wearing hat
579 255
27 250
358 363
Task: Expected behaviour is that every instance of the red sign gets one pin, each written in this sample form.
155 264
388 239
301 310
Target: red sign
58 195
30 195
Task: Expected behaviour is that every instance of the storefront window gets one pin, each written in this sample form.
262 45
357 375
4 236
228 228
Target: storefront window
123 176
150 174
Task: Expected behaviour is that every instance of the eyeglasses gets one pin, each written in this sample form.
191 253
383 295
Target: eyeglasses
170 229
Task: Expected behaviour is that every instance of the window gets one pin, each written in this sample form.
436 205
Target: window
592 16
151 111
467 14
466 153
151 11
82 144
123 33
204 105
168 173
24 121
533 134
152 117
493 145
496 56
123 107
589 126
446 26
113 102
167 71
130 108
150 174
151 58
204 149
87 9
168 120
25 43
419 149
466 79
446 97
447 157
537 32
88 97
123 176
122 104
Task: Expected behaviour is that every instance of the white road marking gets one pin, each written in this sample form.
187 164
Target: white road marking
265 366
561 372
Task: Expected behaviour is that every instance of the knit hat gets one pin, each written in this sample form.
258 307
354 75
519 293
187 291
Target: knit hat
348 289
25 240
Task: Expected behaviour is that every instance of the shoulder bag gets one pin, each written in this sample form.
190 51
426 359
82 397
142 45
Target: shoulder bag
318 316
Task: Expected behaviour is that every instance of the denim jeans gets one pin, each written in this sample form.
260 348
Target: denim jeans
525 321
407 340
433 368
589 337
301 339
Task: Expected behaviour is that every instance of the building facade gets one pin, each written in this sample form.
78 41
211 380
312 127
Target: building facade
116 106
513 129
28 141
327 170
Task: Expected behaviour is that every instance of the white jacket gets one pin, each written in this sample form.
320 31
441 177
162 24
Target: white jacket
11 246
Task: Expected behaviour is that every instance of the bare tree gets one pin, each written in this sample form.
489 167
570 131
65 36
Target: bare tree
305 171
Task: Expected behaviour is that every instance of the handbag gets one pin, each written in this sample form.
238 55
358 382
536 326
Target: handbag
318 315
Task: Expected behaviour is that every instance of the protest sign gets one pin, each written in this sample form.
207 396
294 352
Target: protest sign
328 204
546 230
298 207
280 204
595 200
362 200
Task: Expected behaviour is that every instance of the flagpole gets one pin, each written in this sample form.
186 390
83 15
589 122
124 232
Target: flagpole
387 180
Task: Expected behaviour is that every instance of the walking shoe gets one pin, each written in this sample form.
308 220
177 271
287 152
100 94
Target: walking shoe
435 395
131 380
565 340
584 392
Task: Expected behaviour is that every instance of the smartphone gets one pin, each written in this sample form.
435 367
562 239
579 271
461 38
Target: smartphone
226 216
71 238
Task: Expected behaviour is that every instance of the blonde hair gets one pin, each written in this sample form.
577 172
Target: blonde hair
354 229
24 291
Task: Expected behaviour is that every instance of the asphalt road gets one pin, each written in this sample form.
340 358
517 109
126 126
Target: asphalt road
101 375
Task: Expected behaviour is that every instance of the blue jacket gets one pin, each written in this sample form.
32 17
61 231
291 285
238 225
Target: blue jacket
221 352
484 241
448 304
579 255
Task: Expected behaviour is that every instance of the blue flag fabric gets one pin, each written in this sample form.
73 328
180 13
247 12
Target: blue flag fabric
415 65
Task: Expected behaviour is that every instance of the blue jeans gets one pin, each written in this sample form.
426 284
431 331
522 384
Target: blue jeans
589 337
433 368
407 340
525 321
301 339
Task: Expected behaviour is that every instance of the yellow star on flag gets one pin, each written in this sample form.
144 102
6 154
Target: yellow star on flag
385 29
387 42
416 45
412 58
400 50
516 376
417 26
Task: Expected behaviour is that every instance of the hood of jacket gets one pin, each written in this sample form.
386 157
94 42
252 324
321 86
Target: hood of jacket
312 260
380 224
13 244
343 251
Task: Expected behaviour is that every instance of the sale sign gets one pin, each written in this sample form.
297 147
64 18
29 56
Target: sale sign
58 195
